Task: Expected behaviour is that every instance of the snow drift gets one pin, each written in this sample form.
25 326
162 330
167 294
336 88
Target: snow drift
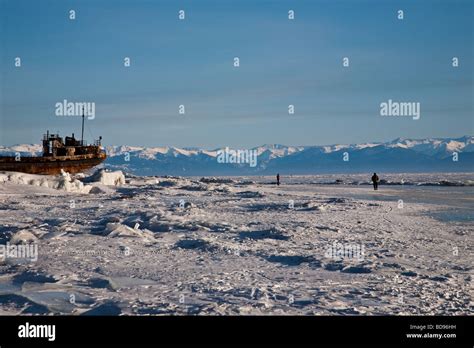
65 182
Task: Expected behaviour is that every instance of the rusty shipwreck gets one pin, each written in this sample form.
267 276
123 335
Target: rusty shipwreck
69 155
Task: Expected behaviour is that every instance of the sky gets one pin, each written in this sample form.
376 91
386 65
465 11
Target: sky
190 62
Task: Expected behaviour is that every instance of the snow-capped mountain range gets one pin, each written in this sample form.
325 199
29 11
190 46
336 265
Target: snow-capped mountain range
399 155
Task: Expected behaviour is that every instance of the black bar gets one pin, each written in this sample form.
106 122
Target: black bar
259 330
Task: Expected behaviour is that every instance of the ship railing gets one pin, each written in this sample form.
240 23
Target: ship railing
50 137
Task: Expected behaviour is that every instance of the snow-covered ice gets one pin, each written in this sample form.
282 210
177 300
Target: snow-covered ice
110 244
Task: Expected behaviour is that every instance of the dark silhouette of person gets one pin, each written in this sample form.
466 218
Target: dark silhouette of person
278 179
375 180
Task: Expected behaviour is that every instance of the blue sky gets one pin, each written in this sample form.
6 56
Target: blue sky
190 62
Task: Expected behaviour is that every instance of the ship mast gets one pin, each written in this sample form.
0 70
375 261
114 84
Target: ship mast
82 133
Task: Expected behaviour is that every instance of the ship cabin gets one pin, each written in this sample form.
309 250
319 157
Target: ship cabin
55 146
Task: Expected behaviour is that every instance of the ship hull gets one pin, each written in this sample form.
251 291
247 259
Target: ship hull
51 165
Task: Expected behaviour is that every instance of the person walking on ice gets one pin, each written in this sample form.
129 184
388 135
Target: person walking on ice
375 181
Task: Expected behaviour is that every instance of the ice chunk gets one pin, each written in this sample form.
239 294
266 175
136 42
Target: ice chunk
63 182
109 178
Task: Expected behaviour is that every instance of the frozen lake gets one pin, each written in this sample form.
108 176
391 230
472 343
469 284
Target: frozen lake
235 246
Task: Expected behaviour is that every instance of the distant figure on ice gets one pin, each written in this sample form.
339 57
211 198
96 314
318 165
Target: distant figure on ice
278 179
375 180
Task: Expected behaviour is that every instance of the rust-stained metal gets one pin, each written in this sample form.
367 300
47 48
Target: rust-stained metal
71 155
